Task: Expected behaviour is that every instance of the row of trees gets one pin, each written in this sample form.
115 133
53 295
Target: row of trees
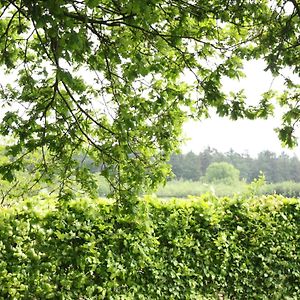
277 168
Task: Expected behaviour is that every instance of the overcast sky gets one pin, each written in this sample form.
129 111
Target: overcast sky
243 135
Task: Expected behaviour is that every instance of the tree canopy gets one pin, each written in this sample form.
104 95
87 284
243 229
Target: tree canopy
115 79
222 172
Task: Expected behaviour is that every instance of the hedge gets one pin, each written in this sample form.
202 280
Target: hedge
198 248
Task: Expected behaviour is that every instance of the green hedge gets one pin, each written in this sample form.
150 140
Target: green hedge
182 249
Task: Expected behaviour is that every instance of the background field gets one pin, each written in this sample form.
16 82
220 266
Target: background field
183 188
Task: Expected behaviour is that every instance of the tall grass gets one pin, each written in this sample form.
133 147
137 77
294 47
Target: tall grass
287 189
184 188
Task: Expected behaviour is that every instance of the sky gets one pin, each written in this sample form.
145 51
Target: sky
243 136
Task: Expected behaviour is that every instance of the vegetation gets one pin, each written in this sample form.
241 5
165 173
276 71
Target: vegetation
102 84
195 249
222 172
259 187
276 168
185 188
106 78
287 189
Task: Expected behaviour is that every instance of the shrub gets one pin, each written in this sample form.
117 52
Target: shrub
221 172
84 249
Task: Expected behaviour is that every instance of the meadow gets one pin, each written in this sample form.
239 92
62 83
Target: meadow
184 188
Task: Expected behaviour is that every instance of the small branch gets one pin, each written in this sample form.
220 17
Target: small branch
86 19
84 111
4 195
297 7
89 139
4 10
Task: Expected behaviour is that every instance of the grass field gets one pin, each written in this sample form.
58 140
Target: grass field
181 189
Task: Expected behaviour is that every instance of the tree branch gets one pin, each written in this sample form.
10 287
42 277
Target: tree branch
297 7
84 111
89 139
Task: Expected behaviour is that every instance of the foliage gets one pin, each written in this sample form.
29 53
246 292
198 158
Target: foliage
222 172
185 188
276 168
181 249
27 182
254 188
106 78
103 185
288 189
187 166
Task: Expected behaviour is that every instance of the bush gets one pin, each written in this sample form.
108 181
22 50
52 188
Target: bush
221 172
243 249
103 185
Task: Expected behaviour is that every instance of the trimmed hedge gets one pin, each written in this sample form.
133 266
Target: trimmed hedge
181 249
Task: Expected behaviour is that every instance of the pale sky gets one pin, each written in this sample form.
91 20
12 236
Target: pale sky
242 135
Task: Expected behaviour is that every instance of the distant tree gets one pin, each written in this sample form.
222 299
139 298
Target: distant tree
222 172
191 167
294 169
186 166
243 162
176 161
283 168
208 156
267 164
277 168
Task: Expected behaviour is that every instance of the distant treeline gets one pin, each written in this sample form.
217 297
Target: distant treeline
276 168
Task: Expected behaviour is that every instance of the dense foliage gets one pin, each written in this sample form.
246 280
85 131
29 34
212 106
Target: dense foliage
276 168
203 247
27 182
107 78
222 172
